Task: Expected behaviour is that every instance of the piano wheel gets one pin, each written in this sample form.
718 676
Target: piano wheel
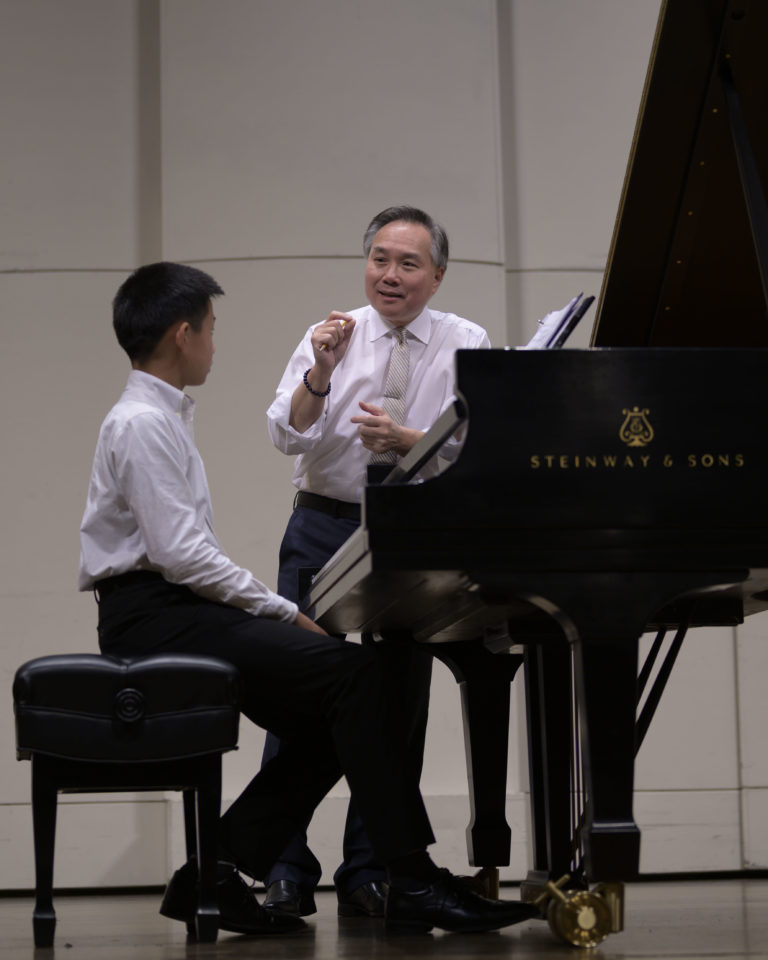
485 882
583 918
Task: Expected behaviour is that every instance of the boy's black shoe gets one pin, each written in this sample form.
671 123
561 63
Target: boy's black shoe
239 910
448 903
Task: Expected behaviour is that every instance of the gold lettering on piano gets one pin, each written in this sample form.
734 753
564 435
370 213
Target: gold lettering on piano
636 431
578 461
634 461
709 460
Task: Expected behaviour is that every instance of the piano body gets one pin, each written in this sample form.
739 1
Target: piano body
629 496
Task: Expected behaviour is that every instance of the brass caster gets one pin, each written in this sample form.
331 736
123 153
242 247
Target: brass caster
487 879
581 918
485 882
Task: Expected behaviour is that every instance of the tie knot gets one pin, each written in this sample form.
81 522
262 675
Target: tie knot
402 334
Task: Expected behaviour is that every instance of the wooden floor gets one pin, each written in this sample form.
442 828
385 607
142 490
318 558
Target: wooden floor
726 920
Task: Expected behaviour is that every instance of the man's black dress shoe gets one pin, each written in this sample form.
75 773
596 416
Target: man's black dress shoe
449 904
284 897
239 911
365 901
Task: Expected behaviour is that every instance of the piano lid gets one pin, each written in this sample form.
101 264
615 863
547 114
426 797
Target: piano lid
688 264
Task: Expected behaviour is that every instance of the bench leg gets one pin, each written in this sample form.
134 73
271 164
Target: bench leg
44 796
190 822
189 797
205 805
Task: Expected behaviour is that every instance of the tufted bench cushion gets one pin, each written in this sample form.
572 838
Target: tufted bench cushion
101 708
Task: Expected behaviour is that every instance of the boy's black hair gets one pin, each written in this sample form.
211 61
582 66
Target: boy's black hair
155 297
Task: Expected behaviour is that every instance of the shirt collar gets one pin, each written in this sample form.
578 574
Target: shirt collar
146 386
419 327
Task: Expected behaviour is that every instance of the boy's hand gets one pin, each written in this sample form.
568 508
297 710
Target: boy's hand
303 621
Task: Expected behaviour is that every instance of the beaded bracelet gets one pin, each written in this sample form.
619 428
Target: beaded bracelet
315 393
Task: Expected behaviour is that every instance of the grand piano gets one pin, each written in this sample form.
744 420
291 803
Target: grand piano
631 501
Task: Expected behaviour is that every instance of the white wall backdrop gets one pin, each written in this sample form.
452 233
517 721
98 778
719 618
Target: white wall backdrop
256 138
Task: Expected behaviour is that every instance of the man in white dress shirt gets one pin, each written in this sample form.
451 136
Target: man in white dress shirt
330 412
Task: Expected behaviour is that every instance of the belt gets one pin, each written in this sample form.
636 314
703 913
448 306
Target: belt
335 508
109 584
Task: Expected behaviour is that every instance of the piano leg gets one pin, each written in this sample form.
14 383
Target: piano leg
549 714
605 691
484 679
606 683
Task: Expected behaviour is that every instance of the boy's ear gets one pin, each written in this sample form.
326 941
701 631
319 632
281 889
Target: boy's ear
182 334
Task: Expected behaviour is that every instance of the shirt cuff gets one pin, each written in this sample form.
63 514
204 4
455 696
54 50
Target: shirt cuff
277 608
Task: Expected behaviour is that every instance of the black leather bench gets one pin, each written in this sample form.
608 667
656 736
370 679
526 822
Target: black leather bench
93 723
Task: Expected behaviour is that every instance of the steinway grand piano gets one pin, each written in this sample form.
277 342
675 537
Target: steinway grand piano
632 500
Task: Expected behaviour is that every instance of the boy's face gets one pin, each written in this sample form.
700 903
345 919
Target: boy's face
198 351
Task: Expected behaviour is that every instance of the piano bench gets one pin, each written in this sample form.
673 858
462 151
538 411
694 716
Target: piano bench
92 724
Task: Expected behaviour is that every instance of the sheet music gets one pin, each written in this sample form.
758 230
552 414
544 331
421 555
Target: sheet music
554 324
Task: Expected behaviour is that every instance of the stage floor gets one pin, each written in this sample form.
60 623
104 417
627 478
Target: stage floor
726 920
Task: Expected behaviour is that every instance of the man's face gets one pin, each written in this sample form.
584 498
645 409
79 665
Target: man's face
199 351
400 275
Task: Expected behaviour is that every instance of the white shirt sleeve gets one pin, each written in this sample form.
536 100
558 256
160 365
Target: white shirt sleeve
174 522
283 435
477 339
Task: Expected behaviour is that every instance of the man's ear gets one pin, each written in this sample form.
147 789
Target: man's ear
439 273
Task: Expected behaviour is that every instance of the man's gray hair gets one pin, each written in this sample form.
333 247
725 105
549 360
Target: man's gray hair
439 238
